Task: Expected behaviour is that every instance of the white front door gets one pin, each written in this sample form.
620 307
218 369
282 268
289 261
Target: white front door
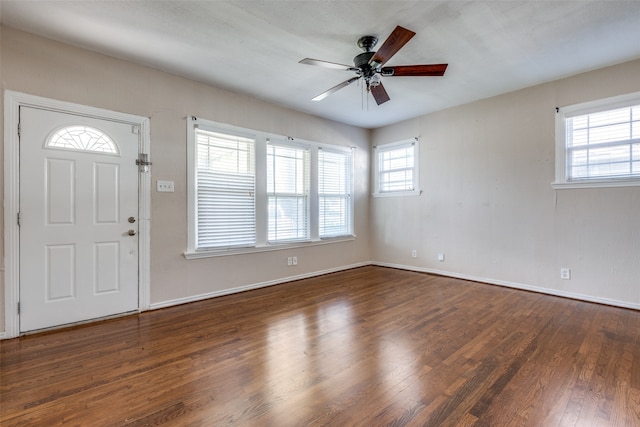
78 218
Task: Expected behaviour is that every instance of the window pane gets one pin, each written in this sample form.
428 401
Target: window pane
609 133
579 137
609 117
334 216
82 138
401 180
288 218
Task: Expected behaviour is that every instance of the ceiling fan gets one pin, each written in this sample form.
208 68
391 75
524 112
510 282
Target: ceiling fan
369 65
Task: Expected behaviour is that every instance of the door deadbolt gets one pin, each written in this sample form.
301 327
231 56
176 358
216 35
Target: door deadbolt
132 219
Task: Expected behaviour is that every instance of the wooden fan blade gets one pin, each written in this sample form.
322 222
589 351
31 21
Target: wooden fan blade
398 38
417 70
326 64
379 94
334 89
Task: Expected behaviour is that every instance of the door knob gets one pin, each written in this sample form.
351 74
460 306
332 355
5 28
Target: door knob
131 232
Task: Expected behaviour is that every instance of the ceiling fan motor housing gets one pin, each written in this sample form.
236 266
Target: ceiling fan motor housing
362 60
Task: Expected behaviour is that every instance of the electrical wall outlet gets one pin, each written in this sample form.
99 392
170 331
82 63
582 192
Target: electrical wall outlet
290 261
565 274
165 186
441 257
414 253
295 260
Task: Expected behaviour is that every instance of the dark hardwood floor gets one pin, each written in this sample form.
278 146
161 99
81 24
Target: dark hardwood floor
371 346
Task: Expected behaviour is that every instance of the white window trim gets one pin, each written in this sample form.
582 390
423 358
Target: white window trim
561 180
266 248
416 167
262 138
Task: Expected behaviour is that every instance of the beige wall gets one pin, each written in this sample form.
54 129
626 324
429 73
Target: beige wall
487 202
37 66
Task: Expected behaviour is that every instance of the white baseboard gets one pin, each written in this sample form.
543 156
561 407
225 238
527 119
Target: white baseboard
200 297
521 286
514 285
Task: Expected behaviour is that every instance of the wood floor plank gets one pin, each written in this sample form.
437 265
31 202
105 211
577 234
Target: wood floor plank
370 346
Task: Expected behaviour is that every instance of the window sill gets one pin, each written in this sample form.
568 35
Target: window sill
266 248
398 193
596 183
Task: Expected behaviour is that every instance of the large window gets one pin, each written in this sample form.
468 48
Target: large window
252 191
598 143
334 192
287 193
396 169
225 189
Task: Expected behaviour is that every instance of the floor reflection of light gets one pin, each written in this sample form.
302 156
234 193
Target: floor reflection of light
401 370
335 339
287 365
302 351
287 339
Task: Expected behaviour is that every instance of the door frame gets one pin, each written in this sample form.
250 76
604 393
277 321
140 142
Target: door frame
12 103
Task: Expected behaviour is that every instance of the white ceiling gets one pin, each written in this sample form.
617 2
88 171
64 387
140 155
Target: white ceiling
253 47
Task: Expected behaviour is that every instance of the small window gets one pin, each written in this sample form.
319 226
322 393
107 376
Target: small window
396 169
598 143
82 138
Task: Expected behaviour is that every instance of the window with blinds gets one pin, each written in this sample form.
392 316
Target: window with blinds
334 193
598 143
225 190
288 193
604 144
396 168
252 191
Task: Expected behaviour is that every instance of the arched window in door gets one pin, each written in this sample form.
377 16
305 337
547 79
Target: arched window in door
82 138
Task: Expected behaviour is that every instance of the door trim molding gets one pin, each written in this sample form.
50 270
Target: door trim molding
12 103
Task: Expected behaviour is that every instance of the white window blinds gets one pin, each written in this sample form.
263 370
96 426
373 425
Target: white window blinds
334 193
287 193
604 144
225 190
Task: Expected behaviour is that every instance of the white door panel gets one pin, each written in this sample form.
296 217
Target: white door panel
77 259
